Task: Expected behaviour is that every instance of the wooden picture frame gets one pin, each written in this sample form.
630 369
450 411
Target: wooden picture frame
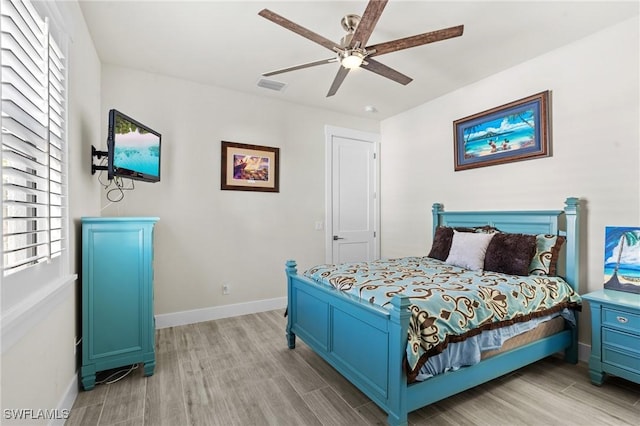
250 167
512 132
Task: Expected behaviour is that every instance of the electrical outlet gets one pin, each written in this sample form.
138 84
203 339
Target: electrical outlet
225 288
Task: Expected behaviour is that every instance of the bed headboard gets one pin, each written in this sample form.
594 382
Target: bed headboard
557 222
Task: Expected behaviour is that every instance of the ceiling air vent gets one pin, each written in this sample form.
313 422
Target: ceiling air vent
271 84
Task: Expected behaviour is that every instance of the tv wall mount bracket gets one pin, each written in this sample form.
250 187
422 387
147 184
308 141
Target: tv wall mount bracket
99 155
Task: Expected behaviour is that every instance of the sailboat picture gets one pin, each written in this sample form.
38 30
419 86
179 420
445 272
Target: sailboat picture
622 259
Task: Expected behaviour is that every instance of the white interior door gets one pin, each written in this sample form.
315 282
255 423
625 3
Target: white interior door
352 218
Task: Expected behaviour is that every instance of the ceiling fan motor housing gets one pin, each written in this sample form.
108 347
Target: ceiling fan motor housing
349 23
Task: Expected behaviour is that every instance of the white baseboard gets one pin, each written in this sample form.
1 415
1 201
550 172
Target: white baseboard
218 312
584 352
64 407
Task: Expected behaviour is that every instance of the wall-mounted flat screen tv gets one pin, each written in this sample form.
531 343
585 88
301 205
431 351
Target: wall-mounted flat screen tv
134 149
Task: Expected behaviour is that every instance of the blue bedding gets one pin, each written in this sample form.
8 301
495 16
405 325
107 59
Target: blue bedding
449 304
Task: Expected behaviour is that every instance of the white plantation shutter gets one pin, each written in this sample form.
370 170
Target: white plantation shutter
33 139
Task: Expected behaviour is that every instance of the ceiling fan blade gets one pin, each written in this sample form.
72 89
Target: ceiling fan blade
342 73
417 40
292 26
368 22
383 70
301 66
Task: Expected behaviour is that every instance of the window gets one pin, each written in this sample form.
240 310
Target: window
33 139
34 262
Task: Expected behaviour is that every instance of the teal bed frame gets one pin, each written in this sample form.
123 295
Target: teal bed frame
366 343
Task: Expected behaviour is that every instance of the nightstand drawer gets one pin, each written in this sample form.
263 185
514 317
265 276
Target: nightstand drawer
621 341
621 320
621 350
623 360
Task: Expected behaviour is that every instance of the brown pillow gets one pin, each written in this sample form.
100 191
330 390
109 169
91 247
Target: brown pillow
510 253
442 240
441 243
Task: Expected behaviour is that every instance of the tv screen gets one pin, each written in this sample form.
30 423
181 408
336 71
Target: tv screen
134 149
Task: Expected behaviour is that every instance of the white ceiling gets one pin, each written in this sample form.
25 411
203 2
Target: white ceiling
226 43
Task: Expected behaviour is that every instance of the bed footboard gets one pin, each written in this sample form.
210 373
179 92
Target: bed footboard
364 342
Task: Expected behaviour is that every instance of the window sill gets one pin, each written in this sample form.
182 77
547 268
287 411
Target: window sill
20 318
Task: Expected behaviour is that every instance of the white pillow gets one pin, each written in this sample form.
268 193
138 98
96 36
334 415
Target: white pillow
468 249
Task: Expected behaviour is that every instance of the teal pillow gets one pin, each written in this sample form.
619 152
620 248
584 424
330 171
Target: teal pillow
545 258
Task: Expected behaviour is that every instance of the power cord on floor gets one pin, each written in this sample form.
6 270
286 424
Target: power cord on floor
117 375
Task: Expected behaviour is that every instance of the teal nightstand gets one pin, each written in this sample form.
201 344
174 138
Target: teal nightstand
615 335
117 295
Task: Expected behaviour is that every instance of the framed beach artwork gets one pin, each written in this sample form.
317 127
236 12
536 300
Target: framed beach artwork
250 167
622 258
515 131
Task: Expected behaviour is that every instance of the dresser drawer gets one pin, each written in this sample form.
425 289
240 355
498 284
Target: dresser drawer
621 320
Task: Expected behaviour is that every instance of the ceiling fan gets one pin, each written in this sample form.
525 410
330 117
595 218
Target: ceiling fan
351 51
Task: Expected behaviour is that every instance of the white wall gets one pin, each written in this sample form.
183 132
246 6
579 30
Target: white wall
595 132
39 370
206 236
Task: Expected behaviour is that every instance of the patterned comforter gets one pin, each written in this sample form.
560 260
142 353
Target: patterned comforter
448 303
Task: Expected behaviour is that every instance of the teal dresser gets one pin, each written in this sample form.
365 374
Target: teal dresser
615 335
117 295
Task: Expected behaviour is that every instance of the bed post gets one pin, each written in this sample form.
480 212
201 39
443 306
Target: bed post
291 270
572 268
436 210
397 392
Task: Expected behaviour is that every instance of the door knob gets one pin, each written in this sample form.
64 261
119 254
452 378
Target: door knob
336 238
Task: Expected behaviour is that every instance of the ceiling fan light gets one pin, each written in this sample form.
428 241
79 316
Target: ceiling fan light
352 60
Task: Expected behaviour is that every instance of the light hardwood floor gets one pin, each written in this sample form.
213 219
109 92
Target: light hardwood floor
239 371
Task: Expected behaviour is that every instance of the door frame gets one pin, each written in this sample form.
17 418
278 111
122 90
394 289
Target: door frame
374 138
